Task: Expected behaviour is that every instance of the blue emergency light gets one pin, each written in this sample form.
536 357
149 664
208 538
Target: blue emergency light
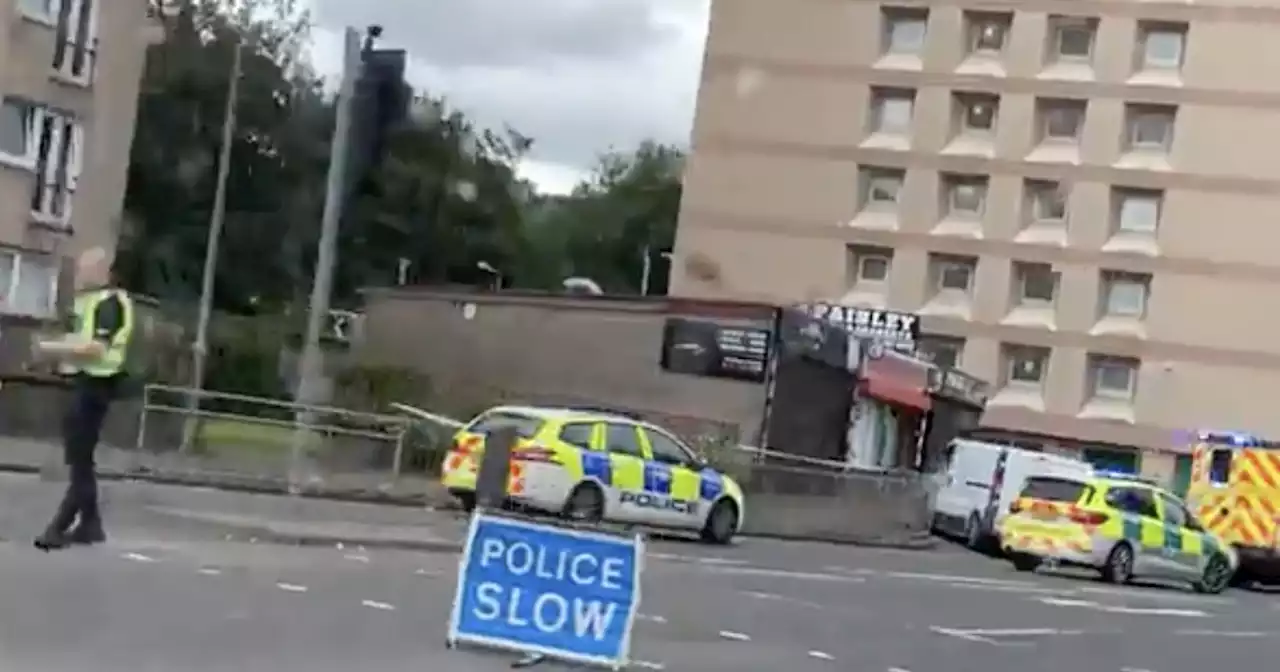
1241 439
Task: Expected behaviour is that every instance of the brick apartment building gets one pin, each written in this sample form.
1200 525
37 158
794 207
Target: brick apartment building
1080 198
69 77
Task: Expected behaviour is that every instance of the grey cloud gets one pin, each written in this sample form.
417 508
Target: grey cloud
508 33
579 76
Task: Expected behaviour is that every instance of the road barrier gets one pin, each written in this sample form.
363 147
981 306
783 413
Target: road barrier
255 436
798 497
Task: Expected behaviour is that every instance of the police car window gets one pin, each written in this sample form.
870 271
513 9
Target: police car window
1220 466
623 439
526 427
577 434
1174 513
666 450
1139 501
1054 489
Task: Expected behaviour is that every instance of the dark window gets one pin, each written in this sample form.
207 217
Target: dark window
623 439
1054 489
577 434
1138 501
666 450
1174 512
526 426
1220 466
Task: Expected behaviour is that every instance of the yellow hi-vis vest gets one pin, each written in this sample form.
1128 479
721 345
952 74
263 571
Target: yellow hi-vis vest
114 359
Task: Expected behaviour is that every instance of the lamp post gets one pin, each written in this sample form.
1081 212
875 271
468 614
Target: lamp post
646 268
488 268
217 219
312 364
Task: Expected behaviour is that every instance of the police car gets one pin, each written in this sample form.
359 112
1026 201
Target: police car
1118 524
600 466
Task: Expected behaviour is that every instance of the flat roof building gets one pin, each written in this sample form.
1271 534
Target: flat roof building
1081 199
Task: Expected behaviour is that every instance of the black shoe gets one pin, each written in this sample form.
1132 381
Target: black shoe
52 540
87 535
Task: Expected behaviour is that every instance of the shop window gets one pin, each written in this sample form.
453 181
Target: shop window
1220 467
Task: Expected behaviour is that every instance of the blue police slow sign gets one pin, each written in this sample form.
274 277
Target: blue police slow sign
534 588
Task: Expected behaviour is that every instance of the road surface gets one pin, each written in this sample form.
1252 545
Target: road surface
165 597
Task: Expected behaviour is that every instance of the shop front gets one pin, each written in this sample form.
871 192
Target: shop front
887 418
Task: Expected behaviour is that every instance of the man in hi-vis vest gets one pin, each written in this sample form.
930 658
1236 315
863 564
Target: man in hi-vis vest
93 354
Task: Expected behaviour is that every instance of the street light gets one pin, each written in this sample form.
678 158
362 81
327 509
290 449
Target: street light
217 219
646 268
488 268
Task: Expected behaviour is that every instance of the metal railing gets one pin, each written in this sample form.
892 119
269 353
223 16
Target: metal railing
245 433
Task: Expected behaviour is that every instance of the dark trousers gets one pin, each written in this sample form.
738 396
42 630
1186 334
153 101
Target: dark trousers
90 400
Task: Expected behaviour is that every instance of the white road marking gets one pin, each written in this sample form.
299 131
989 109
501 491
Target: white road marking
720 561
1133 611
1225 633
783 598
736 636
1156 611
427 572
1134 669
651 618
209 571
821 655
648 665
956 578
138 557
379 605
898 669
291 587
1010 589
1064 602
789 574
356 558
961 634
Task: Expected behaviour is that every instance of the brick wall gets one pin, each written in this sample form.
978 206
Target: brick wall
483 348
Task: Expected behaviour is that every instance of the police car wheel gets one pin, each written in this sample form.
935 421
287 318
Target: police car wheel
1217 576
1024 562
722 523
1119 567
586 504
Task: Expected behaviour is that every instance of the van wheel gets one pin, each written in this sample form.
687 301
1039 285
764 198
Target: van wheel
586 504
973 533
722 523
1217 576
1119 567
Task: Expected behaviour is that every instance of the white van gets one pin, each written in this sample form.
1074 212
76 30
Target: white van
981 481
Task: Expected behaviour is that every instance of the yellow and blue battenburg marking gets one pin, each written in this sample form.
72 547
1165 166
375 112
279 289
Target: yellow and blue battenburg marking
658 476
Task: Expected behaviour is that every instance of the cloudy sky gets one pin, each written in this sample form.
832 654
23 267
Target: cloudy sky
579 76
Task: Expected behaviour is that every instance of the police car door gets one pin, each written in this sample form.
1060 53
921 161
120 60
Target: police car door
1143 528
627 465
1183 553
674 474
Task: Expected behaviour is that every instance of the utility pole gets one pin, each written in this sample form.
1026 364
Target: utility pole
200 349
312 364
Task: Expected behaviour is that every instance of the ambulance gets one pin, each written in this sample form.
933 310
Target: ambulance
1235 493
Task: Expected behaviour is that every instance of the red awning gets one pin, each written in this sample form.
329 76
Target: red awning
892 390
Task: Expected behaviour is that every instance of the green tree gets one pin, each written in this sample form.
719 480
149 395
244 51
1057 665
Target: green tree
277 153
627 208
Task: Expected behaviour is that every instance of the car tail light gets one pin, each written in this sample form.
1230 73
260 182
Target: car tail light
1087 517
535 454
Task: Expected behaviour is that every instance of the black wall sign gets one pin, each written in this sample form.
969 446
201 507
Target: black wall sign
705 348
958 385
894 329
802 334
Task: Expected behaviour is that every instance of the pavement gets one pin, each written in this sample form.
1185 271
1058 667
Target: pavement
178 588
33 456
